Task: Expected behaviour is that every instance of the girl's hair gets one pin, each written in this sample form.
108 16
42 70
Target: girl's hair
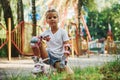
51 10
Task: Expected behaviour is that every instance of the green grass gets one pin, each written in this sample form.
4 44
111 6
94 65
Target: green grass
111 70
108 71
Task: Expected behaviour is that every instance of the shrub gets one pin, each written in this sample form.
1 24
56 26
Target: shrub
111 70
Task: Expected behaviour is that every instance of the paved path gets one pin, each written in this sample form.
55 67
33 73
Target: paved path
25 65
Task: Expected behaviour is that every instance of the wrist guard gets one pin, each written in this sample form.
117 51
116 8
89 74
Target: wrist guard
67 49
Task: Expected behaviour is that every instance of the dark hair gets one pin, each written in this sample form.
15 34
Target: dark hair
50 10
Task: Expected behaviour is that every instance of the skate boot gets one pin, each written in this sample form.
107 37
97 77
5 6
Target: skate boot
39 67
35 59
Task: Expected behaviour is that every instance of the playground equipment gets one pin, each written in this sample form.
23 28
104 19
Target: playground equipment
75 35
20 37
3 36
110 45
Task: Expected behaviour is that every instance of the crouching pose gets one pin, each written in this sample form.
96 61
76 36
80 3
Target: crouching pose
58 47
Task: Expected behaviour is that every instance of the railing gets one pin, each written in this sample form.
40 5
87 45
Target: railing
21 37
95 46
106 47
3 36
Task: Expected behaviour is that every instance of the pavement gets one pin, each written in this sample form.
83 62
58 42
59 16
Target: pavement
24 65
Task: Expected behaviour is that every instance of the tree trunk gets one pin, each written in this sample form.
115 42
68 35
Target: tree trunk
0 12
7 12
34 18
80 3
20 11
20 18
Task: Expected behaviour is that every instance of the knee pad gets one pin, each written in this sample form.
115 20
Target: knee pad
35 41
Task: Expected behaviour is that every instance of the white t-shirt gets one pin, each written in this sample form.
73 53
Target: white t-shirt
55 44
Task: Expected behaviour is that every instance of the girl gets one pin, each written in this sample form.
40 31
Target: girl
58 47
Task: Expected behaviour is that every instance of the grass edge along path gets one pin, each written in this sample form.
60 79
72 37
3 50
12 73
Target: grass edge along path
107 71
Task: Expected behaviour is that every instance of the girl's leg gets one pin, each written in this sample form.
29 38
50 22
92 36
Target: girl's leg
34 45
36 50
38 47
66 69
43 52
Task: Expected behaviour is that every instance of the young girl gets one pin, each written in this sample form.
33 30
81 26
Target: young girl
57 41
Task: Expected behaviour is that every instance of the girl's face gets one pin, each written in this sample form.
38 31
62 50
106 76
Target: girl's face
52 18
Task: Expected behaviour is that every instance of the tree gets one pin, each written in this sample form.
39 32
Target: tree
98 22
20 11
20 18
7 12
0 12
90 4
115 20
34 17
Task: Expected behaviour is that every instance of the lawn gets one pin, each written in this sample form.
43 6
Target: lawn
107 71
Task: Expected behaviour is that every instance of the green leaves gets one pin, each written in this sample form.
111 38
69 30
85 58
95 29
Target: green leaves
98 22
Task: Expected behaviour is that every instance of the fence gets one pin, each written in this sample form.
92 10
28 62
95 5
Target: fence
3 36
20 37
106 47
95 46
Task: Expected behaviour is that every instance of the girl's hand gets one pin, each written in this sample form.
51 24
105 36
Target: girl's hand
47 38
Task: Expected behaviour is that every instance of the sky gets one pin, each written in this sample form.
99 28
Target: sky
105 3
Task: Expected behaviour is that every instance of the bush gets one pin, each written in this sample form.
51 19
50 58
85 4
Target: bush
3 53
111 70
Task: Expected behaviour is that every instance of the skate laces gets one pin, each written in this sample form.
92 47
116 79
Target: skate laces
39 66
35 59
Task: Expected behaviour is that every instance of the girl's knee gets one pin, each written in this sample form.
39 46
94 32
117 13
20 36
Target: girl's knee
58 67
